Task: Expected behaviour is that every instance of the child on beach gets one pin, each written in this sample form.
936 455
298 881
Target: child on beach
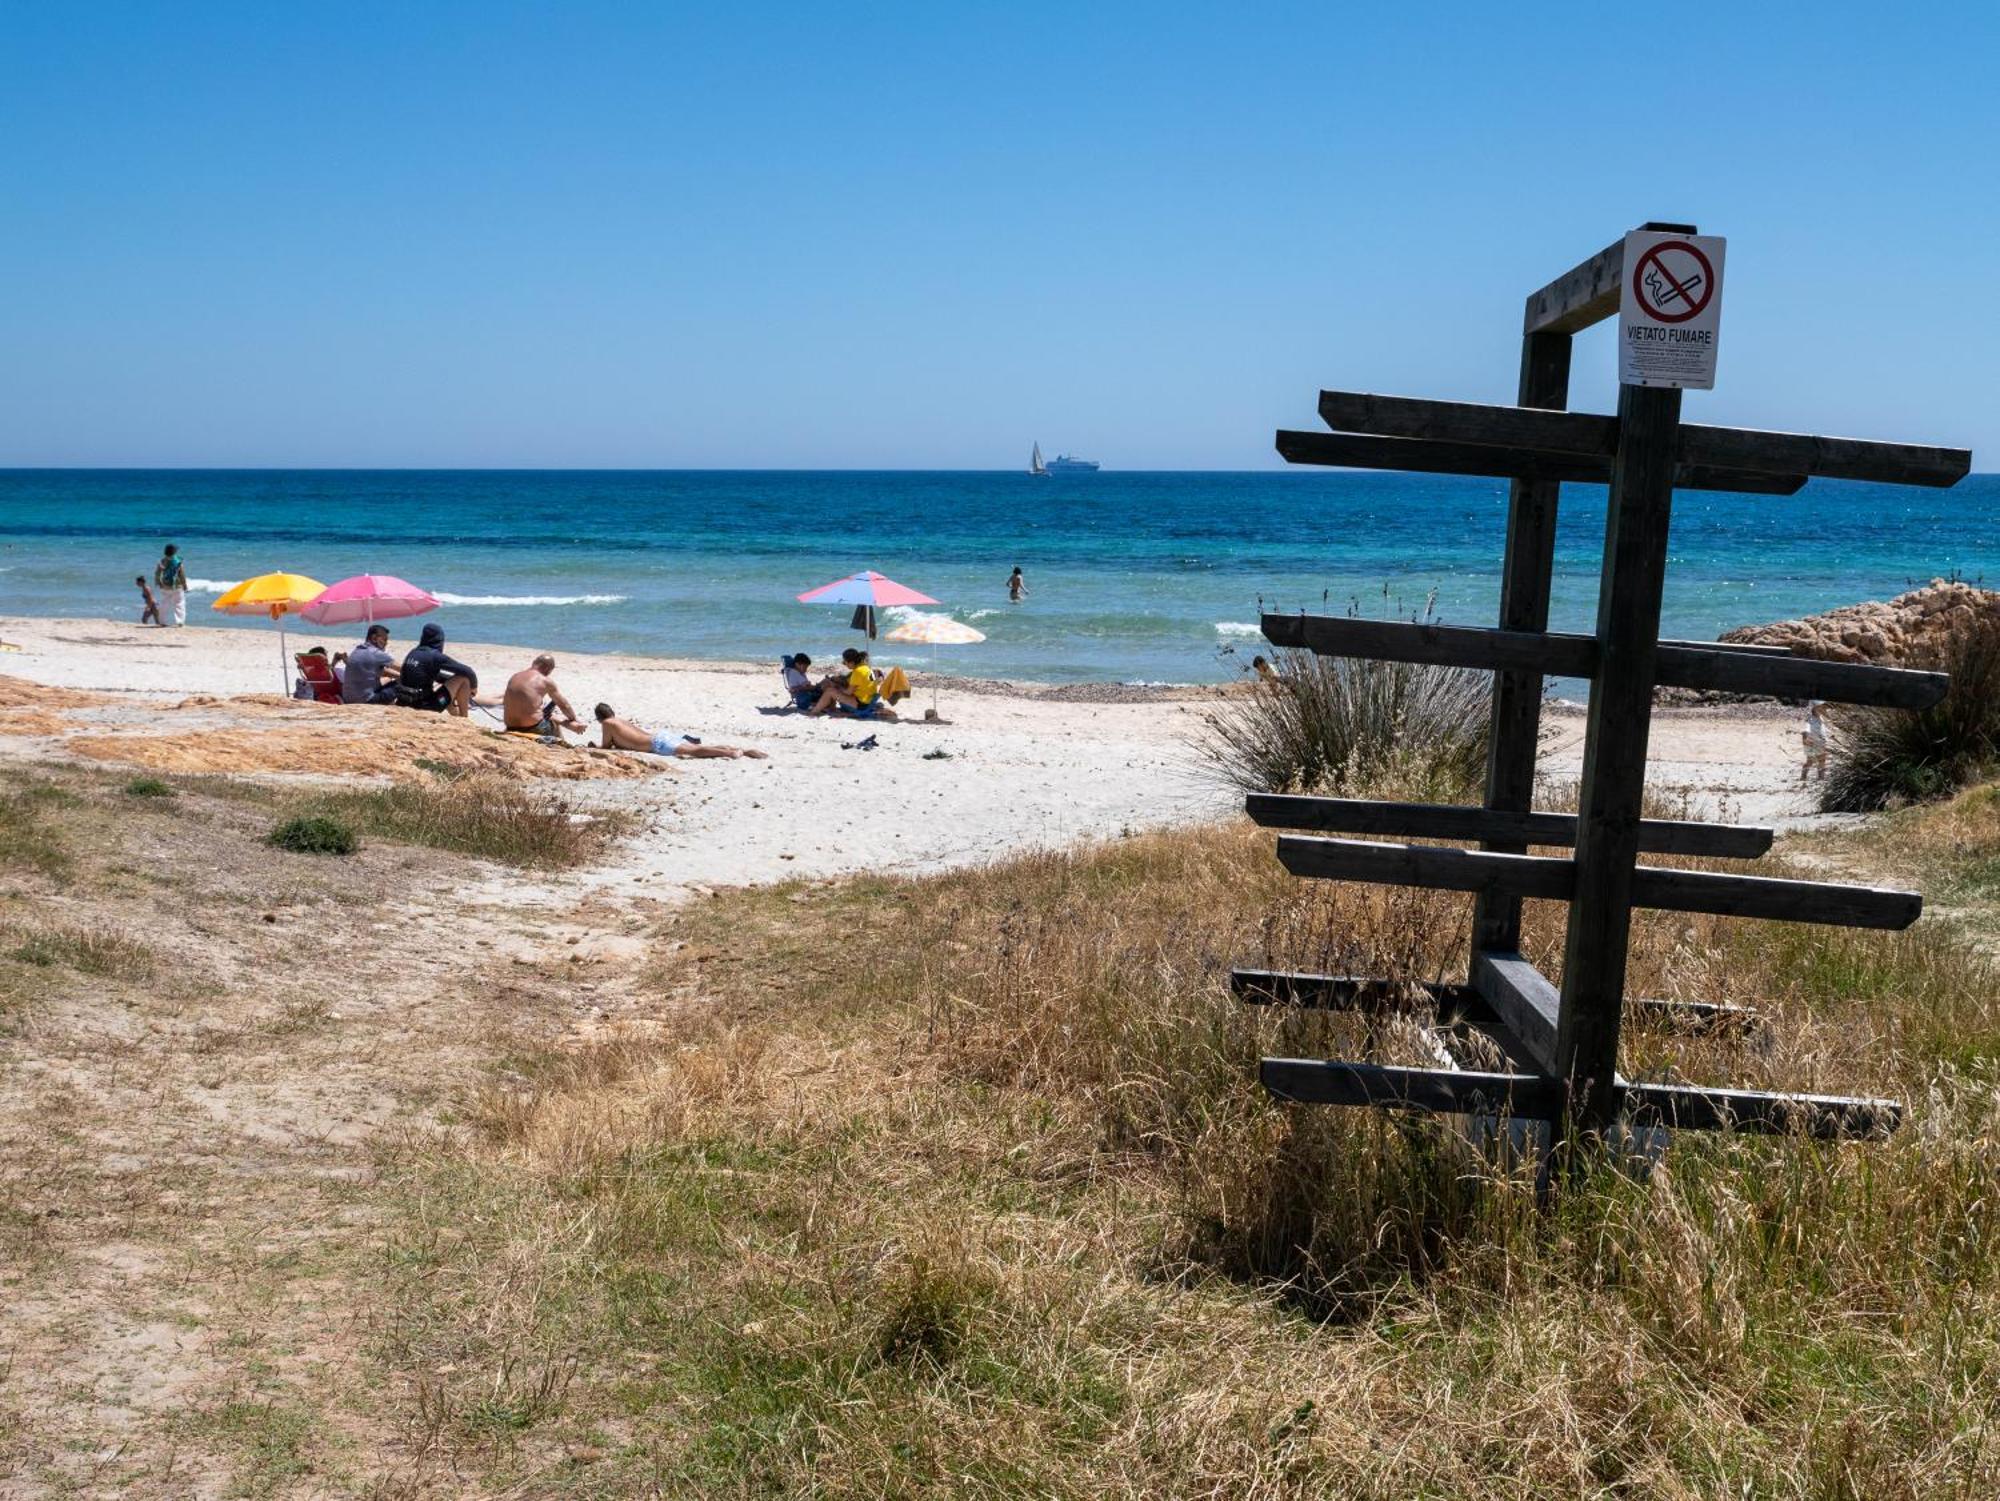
1813 738
151 609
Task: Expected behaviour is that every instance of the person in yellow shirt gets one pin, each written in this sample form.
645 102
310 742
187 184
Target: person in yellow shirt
858 693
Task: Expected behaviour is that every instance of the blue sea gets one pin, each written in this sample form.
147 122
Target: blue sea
1141 577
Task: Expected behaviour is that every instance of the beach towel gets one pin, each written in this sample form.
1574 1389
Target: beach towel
895 685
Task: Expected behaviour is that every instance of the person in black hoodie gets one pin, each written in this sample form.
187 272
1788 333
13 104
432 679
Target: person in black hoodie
431 680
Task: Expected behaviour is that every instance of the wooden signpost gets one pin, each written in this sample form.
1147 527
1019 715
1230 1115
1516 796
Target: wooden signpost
1562 1044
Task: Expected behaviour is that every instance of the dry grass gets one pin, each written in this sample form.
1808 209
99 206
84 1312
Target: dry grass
998 1210
493 818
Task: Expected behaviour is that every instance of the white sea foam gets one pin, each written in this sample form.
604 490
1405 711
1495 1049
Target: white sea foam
217 586
1238 628
531 599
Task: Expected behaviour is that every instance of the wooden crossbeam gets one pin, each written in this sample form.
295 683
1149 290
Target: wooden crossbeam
1553 878
1373 994
1523 1000
1267 987
1583 295
1313 1081
1429 456
1561 654
1342 815
1739 453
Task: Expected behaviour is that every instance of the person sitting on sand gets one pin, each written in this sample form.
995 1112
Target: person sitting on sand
371 671
799 683
622 734
434 682
151 609
533 700
866 691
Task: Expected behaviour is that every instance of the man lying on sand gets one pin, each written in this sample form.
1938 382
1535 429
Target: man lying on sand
622 734
533 700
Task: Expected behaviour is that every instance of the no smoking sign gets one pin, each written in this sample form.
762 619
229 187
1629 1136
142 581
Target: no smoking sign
1670 310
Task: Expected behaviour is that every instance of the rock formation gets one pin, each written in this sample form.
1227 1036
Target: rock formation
1903 632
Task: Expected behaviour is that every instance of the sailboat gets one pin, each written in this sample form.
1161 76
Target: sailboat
1035 464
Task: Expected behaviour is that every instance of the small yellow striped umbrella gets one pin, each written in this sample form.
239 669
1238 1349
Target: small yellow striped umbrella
935 631
276 595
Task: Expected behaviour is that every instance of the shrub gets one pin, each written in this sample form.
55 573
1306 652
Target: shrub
1884 757
1338 723
316 835
149 787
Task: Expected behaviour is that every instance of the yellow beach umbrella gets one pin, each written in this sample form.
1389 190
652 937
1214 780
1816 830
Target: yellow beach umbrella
276 595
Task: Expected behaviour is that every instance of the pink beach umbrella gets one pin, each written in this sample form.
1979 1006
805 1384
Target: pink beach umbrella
368 597
865 588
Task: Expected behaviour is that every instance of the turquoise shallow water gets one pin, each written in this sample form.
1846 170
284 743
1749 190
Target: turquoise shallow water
1133 577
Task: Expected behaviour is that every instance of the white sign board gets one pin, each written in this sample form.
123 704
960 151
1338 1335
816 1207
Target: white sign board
1670 310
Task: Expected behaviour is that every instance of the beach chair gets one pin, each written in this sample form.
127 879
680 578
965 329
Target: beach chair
318 673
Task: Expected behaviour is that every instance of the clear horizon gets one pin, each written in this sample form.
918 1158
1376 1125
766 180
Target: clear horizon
908 239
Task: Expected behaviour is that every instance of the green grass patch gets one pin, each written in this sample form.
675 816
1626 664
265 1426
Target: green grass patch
88 951
150 787
314 834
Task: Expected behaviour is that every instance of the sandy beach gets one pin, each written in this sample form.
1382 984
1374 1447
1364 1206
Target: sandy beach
1010 769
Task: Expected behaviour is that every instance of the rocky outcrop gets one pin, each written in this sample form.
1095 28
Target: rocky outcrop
1908 630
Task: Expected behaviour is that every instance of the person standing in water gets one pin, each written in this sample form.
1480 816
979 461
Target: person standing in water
1017 587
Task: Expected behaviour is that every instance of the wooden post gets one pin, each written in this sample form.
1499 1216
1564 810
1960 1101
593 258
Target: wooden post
1524 606
1614 755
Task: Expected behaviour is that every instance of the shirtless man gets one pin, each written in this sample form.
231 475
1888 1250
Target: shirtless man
533 699
622 734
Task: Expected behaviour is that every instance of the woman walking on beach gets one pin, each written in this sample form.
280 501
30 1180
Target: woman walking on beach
170 573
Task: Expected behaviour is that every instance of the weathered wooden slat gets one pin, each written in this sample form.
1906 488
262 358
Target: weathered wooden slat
1716 667
1442 645
1576 434
1553 878
1773 899
1692 1016
1312 1081
1522 999
1589 435
1266 987
1426 456
1562 654
1526 569
1581 296
1343 815
1433 867
1688 1107
1828 458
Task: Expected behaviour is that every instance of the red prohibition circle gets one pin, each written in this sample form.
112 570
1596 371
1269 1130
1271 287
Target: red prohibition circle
1652 258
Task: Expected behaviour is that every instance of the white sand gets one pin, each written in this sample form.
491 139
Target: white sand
1021 771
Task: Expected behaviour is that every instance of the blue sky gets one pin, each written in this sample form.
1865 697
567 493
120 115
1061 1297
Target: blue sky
924 235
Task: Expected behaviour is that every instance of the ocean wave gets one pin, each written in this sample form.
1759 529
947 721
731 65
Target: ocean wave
1238 628
531 599
218 586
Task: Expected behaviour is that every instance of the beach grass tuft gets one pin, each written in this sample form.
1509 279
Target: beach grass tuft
1337 724
1885 758
150 787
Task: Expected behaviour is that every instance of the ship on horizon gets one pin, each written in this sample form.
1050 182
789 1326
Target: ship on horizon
1062 463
